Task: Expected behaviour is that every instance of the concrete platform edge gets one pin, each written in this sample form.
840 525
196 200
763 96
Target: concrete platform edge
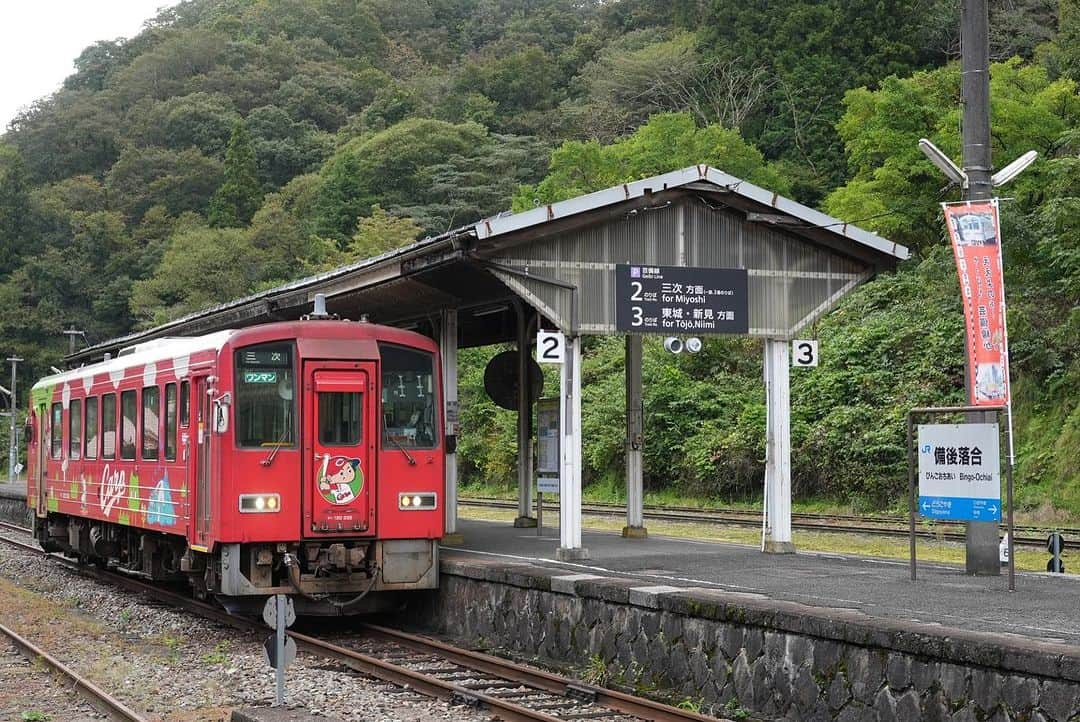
950 645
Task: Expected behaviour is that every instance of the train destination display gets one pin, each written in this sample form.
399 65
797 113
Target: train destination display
677 299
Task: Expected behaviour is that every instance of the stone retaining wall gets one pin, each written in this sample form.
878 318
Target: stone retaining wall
14 510
728 651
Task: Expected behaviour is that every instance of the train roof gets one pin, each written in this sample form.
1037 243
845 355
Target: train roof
168 348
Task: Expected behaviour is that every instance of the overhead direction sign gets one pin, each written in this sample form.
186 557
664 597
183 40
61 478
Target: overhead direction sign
959 472
677 299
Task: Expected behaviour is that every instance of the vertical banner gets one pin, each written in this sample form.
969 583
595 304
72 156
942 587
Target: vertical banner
976 241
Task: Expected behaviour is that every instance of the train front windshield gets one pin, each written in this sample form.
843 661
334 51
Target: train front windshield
265 407
408 398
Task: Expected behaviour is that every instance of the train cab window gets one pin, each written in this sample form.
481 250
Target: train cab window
57 431
128 424
151 414
408 398
75 429
185 403
265 408
90 450
170 422
339 418
108 426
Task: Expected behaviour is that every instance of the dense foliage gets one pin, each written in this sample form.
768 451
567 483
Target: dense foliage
236 144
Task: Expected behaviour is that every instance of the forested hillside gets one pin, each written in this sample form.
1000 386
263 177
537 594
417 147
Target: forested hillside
236 144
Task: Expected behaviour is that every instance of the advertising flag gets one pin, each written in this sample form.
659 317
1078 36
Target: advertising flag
976 241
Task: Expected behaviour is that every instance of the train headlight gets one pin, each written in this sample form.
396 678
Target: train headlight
259 503
417 501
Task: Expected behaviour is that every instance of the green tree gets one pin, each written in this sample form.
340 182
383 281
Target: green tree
391 167
669 141
380 232
15 220
239 196
201 267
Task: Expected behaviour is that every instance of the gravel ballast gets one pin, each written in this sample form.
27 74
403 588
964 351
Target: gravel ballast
165 663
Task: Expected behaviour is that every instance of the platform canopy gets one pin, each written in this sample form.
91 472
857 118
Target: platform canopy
560 259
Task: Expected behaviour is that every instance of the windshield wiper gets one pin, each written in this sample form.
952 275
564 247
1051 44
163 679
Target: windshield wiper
395 442
277 446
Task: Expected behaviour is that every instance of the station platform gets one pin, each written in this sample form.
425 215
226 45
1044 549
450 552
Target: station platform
1044 607
13 491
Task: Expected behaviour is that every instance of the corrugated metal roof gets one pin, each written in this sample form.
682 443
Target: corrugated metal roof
501 224
388 266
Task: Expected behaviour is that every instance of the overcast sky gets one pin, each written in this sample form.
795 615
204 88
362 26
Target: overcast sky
40 39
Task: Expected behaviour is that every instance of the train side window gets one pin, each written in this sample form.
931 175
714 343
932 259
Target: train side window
151 415
170 422
128 424
57 430
339 418
185 403
108 426
75 429
91 448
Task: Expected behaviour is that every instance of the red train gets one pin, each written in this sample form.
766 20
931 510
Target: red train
302 458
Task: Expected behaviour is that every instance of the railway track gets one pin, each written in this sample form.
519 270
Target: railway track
96 696
507 690
886 526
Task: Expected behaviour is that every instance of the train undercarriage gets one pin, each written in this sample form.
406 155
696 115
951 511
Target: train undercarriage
325 577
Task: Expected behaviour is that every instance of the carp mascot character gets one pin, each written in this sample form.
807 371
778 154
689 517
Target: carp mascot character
340 479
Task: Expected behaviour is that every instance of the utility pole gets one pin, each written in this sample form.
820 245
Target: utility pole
71 333
981 538
13 454
978 184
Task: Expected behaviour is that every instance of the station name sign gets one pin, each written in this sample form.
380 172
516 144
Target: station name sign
959 472
677 299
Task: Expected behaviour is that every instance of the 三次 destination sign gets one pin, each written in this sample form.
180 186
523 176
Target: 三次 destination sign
676 299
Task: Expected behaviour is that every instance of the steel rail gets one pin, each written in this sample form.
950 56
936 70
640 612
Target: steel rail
15 527
423 683
396 674
95 695
627 704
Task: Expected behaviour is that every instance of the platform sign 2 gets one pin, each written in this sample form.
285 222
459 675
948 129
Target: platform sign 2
959 472
676 299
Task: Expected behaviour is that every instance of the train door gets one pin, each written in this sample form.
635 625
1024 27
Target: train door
339 449
199 461
38 479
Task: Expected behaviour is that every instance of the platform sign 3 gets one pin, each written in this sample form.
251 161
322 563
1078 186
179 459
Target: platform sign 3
804 353
959 472
676 299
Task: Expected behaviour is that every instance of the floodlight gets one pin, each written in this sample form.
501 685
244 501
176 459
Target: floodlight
1013 169
673 344
943 162
693 344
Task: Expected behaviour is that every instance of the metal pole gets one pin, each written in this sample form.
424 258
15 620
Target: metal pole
911 489
982 537
975 90
13 453
1009 500
279 672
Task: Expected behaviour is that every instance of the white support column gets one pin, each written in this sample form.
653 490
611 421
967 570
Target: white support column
778 449
448 347
524 426
635 439
570 548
